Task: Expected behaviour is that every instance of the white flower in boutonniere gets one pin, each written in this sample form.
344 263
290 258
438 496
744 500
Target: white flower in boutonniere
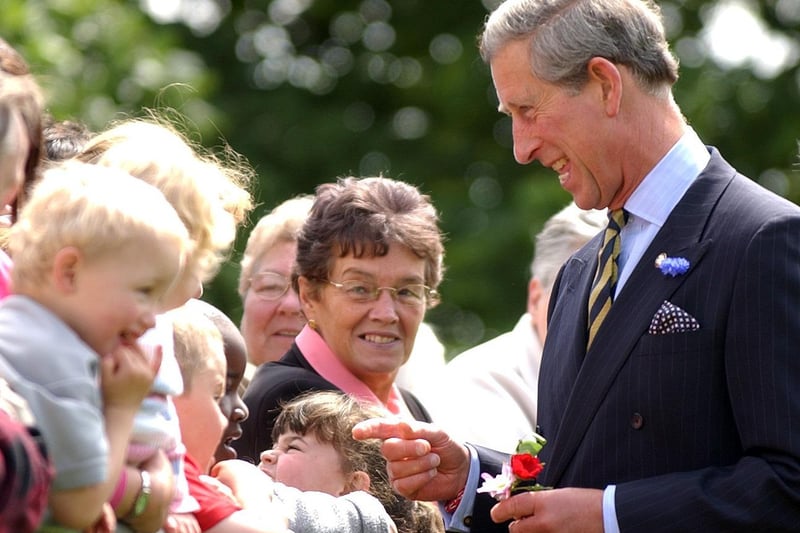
520 473
672 266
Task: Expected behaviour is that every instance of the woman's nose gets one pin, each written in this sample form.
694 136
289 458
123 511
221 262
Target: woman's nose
290 302
384 308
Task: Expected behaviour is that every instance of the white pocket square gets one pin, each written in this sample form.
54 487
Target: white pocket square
672 319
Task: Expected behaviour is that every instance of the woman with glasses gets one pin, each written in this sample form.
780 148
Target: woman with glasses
369 260
271 318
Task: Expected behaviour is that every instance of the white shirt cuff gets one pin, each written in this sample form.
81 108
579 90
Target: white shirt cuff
610 524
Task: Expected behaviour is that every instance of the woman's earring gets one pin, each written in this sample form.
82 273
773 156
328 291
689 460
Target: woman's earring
312 324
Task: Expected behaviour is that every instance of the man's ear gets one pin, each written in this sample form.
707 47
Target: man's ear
65 269
359 480
609 78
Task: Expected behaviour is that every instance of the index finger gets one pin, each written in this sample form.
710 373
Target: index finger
383 428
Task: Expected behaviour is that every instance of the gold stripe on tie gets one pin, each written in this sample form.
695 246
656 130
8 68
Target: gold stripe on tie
605 282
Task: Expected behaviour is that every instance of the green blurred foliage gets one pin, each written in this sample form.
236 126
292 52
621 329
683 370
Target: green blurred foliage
311 90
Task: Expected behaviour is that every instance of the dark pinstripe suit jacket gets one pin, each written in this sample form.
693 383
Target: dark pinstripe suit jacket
700 430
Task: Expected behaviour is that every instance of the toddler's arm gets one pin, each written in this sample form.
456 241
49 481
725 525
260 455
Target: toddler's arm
125 378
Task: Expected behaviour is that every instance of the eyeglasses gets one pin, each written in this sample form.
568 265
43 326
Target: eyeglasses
412 295
269 286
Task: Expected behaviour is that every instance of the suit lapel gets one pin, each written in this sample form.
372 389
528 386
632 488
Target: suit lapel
565 346
629 317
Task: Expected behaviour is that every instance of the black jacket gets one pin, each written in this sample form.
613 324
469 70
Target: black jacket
278 382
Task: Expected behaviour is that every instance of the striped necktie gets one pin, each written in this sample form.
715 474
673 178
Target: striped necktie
605 282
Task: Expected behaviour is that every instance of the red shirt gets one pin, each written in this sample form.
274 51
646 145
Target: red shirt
214 507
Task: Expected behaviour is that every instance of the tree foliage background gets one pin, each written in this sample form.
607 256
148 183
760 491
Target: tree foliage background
310 90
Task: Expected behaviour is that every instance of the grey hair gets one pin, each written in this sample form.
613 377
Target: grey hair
563 234
282 224
565 34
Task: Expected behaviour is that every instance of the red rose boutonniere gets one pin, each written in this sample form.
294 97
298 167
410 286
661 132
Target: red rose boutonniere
520 473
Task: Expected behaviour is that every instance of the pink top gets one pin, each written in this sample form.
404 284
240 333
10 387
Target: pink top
327 365
5 275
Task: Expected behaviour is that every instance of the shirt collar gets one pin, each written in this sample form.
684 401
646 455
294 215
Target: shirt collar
322 359
651 200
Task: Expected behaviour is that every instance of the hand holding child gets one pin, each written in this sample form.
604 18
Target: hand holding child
106 523
245 482
162 488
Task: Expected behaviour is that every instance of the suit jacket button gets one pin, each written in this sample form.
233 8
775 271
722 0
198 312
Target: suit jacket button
637 421
468 521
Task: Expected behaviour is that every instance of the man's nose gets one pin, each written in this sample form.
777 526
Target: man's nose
525 143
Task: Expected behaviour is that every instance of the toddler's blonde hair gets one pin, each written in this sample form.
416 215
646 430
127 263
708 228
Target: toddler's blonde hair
97 210
198 342
211 197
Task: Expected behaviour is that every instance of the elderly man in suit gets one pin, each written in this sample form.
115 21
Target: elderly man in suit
669 382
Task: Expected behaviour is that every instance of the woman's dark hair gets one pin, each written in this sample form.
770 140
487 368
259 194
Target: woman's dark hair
363 217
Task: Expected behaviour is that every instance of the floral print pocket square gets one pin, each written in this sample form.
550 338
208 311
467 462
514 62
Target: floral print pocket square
672 319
